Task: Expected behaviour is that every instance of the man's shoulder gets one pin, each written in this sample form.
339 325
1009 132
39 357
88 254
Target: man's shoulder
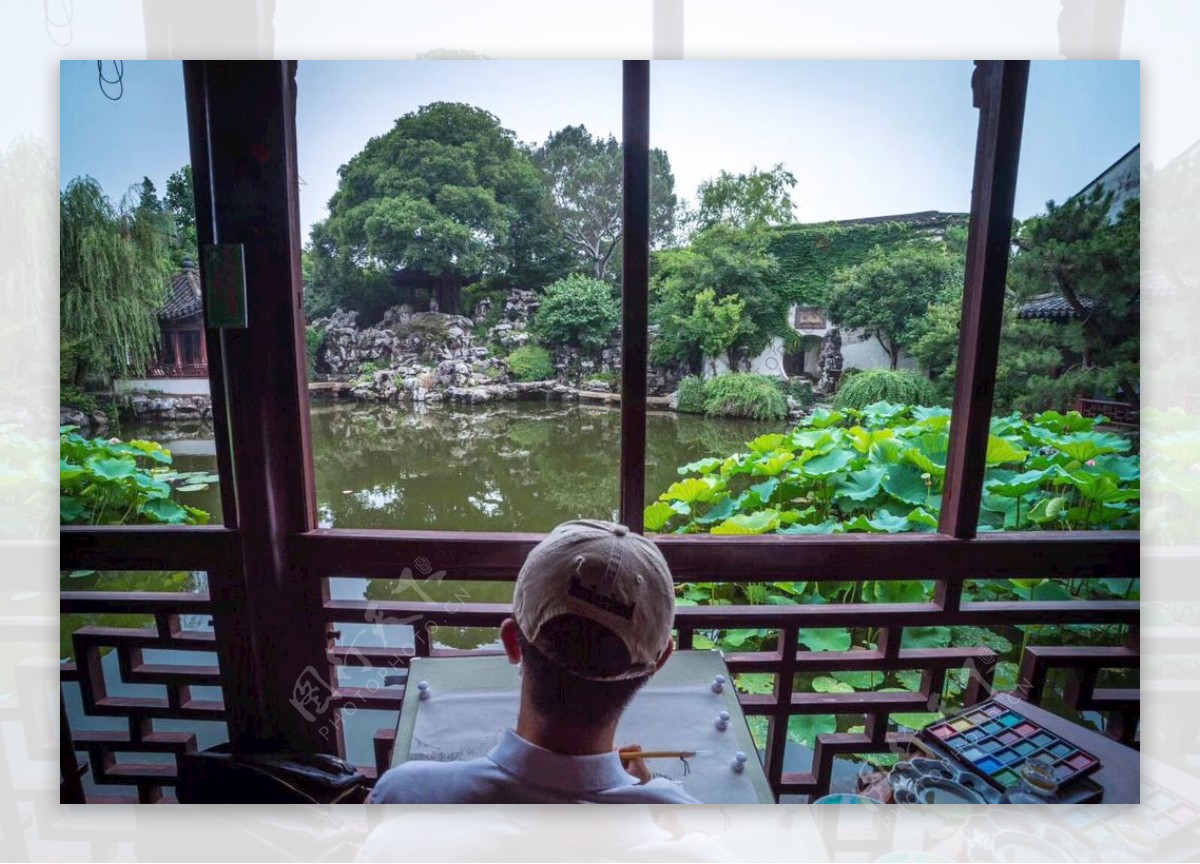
426 782
657 791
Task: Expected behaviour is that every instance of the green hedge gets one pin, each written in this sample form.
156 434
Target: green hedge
313 339
691 396
885 385
531 363
744 395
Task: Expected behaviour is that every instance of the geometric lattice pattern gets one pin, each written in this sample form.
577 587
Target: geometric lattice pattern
790 659
139 755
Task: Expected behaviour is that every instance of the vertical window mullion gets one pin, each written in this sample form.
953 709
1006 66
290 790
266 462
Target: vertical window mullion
999 92
635 269
206 233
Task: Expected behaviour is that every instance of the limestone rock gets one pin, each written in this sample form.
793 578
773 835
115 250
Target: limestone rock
829 362
74 417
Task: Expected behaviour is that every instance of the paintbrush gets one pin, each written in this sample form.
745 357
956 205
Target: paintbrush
630 755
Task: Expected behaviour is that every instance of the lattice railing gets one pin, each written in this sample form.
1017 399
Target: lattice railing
169 704
329 555
1118 413
177 370
109 751
992 557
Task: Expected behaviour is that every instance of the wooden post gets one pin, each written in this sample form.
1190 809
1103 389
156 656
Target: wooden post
197 111
999 91
242 116
635 270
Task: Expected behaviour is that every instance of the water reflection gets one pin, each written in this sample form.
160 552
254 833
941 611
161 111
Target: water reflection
511 467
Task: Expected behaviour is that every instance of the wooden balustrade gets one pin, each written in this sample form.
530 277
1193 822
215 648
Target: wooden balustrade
848 558
177 370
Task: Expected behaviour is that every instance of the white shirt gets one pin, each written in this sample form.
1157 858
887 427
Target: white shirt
517 772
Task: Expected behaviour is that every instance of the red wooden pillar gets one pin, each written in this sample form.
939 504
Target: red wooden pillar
242 116
635 268
999 92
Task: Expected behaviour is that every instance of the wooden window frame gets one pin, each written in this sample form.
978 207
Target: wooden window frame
269 565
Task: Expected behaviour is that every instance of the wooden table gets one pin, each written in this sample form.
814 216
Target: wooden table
1120 770
690 671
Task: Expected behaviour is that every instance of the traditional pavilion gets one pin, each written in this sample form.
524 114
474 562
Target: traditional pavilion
182 352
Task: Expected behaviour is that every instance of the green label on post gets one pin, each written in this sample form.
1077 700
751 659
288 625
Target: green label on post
225 275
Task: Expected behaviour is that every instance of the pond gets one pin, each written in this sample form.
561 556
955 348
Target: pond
513 466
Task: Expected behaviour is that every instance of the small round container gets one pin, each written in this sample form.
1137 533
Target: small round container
1037 785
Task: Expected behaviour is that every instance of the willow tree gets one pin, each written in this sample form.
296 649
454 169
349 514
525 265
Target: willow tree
112 280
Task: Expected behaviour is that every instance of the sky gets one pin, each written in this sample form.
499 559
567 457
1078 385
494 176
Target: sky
862 138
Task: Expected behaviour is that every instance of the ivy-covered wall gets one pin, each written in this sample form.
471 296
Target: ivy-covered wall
809 255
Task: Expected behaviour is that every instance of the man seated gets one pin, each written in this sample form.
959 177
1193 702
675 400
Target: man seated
592 614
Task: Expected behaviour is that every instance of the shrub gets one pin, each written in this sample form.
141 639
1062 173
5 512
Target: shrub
367 370
612 379
313 338
70 396
744 395
531 363
691 396
885 385
432 327
799 389
578 311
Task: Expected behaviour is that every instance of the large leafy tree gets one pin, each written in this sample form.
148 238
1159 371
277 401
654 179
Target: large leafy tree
696 290
113 272
1079 252
580 312
1027 348
887 294
758 199
436 202
333 280
584 173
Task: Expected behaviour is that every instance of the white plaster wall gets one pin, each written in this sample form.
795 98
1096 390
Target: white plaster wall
170 386
857 351
862 352
769 362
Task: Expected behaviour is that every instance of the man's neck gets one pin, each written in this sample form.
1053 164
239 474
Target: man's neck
570 740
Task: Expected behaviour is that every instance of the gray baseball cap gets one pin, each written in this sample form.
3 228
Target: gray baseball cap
605 573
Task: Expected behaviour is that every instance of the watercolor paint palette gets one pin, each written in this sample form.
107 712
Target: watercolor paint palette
994 741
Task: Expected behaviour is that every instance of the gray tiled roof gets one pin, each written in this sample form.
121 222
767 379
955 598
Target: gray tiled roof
1051 307
183 297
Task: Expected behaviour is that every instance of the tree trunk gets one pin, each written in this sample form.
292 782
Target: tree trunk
892 349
